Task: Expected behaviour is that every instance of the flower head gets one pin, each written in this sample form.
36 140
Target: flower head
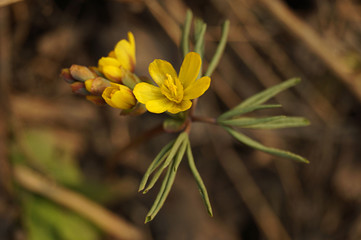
119 96
120 60
173 93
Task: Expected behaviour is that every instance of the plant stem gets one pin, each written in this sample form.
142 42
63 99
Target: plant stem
135 142
204 119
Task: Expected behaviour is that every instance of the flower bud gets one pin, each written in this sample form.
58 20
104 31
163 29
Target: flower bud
81 73
137 110
66 76
97 100
113 73
79 88
97 85
96 71
130 79
119 96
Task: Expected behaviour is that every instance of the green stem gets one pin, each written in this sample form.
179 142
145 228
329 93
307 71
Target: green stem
204 119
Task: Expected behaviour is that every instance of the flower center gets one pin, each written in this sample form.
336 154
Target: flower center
172 89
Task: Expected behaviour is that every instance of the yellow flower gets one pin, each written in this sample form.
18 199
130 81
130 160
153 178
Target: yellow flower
119 96
120 60
174 93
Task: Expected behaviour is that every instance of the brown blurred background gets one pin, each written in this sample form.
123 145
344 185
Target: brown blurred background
70 169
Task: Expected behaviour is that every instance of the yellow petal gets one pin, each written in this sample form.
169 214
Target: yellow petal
180 107
119 96
190 69
159 105
113 73
112 54
108 61
107 96
197 88
145 92
132 43
125 52
123 99
159 69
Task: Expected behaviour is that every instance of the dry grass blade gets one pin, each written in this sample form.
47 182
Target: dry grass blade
4 3
305 33
250 193
104 219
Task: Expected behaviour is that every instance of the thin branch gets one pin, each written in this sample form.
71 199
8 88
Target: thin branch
134 143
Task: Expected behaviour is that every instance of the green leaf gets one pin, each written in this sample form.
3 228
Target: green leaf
185 33
155 164
199 31
265 95
202 188
259 98
173 151
157 174
256 145
168 181
237 112
267 122
220 49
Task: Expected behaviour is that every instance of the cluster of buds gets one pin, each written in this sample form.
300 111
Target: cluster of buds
112 82
79 78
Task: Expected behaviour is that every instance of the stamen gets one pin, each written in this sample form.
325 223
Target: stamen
172 89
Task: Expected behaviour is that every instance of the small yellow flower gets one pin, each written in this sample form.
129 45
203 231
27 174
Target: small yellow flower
174 93
120 60
119 96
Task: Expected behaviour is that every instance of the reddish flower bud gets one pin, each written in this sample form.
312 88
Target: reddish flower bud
97 85
79 88
81 73
66 76
98 100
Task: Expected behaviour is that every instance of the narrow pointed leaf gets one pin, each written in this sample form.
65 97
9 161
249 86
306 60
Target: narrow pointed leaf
185 32
237 112
199 31
265 95
220 49
161 192
202 188
267 122
256 145
155 164
156 175
167 183
172 152
180 153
